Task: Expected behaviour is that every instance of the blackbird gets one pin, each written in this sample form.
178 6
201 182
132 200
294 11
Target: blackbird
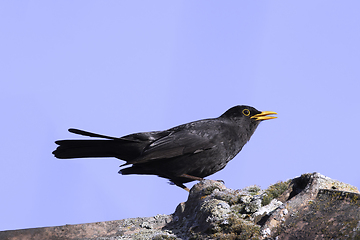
181 154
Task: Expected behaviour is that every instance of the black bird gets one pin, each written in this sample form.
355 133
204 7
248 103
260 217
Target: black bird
181 154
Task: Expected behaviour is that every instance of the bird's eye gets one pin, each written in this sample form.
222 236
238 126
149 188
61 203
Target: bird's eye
246 112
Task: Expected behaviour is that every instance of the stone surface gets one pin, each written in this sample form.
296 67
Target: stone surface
311 206
331 215
131 228
303 190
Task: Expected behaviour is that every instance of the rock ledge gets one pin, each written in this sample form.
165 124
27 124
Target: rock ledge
311 206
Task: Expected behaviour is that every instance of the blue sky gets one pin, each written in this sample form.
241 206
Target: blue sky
119 67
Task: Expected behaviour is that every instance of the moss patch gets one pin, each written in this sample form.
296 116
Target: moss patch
274 191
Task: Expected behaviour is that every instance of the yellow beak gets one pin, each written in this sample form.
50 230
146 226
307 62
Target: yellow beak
264 115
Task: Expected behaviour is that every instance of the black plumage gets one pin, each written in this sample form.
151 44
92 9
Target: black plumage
181 154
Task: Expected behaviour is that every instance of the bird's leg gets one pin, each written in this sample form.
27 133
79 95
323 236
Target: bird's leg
191 177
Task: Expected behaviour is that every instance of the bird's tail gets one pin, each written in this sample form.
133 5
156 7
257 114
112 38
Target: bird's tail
90 148
121 148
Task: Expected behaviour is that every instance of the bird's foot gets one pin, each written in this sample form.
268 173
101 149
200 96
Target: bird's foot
180 185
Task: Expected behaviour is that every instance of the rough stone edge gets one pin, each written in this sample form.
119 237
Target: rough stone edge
120 229
312 184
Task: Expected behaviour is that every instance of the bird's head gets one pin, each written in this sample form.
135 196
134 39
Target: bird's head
246 115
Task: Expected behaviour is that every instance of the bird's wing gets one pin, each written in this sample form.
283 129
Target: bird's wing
174 144
145 137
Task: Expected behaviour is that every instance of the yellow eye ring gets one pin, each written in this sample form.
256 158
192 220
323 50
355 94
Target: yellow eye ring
246 112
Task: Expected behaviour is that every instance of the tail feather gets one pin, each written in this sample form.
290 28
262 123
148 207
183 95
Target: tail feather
124 150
